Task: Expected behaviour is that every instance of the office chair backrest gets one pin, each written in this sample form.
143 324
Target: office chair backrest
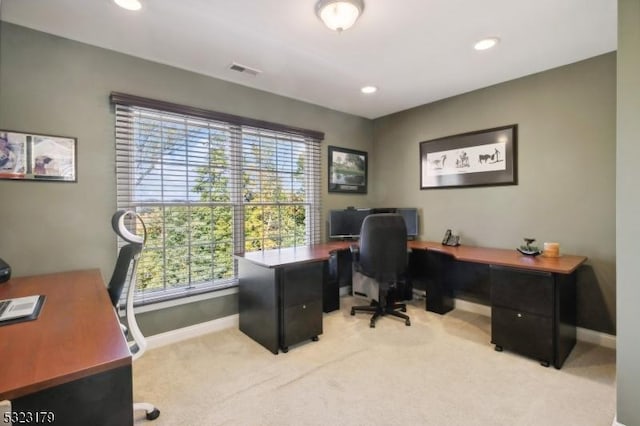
126 255
383 247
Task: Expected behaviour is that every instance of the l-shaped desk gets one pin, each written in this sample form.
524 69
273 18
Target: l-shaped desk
533 310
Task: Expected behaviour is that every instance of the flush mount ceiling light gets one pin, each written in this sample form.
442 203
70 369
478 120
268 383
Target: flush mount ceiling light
486 43
369 89
339 15
129 4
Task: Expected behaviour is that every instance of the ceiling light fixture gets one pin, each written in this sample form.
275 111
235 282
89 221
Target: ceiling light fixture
486 43
369 89
129 4
339 15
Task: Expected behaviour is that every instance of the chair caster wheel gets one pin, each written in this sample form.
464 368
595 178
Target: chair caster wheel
285 349
314 339
544 363
353 312
407 323
498 348
404 309
152 415
372 325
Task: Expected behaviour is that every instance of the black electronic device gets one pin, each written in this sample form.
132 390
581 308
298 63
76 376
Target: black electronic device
410 216
346 223
450 239
5 271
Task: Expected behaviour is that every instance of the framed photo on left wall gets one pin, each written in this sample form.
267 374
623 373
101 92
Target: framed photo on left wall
35 157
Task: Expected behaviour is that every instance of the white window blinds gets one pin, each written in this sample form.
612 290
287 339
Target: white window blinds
209 185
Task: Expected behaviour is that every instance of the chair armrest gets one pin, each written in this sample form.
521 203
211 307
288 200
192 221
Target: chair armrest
355 252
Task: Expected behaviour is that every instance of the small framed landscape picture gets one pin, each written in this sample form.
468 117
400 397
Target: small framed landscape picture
347 170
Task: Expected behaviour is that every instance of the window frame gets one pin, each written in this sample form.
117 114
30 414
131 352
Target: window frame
237 126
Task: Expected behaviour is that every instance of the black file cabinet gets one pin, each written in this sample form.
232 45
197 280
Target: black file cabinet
280 306
301 290
533 313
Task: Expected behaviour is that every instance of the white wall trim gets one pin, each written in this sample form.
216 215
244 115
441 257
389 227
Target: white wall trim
472 307
615 422
596 337
174 336
196 330
185 300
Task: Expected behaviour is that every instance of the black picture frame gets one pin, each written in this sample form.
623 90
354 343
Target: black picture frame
347 170
480 158
38 157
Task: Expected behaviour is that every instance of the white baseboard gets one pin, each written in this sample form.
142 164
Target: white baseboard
472 307
173 336
596 337
582 334
196 330
615 422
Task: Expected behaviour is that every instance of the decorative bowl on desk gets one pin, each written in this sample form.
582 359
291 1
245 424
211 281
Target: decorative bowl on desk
529 250
525 251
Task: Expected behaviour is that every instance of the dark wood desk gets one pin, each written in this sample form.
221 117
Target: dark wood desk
532 298
280 294
565 264
73 361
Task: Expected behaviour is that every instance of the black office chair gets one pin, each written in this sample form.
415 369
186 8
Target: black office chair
123 273
382 255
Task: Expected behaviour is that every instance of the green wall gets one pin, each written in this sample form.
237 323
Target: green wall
56 86
566 160
566 171
628 212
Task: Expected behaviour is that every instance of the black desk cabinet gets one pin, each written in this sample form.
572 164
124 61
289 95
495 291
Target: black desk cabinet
533 313
334 271
281 306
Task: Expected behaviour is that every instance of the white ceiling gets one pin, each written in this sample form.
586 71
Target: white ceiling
415 51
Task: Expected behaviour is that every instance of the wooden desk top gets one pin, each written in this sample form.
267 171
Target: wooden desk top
76 335
292 255
564 264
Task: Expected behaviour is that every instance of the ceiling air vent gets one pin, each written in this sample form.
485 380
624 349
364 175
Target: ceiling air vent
244 69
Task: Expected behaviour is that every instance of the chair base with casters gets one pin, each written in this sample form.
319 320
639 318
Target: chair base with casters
386 306
125 272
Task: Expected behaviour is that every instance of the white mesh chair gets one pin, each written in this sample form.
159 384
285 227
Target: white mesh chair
123 273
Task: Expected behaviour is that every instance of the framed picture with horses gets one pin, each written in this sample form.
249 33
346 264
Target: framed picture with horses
480 158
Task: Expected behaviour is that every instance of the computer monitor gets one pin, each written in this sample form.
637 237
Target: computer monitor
410 216
346 223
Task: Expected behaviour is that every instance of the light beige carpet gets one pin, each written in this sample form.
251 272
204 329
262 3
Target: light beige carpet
440 371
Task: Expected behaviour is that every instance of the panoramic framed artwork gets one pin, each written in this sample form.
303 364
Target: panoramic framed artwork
347 170
480 158
27 156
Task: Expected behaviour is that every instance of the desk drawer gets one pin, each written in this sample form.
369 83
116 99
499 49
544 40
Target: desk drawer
522 332
302 283
522 290
301 322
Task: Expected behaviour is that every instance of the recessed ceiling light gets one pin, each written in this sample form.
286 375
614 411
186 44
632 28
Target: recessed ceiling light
369 89
486 43
129 4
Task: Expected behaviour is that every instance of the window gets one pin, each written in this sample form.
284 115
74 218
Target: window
209 185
